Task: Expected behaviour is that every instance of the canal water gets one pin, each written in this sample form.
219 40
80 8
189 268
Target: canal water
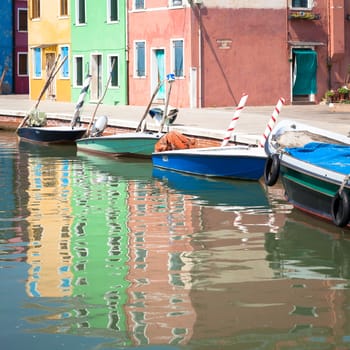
100 253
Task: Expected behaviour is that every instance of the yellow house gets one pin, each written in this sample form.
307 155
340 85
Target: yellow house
49 46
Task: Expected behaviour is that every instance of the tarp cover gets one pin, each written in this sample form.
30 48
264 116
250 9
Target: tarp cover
329 156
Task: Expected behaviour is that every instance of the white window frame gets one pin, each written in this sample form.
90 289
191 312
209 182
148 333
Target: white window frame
309 5
59 9
18 19
77 13
75 85
22 53
109 65
108 6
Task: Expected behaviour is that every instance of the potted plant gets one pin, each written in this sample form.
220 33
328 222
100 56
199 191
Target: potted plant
329 95
343 92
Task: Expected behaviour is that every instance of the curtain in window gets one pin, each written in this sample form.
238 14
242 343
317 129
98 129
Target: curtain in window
139 4
305 69
300 3
81 11
114 10
178 57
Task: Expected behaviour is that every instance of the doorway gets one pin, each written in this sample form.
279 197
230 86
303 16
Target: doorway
96 80
304 73
50 66
158 73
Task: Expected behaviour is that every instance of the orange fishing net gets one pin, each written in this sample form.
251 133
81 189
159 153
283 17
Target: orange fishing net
174 140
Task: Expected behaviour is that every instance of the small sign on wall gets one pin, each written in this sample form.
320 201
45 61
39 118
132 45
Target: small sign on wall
224 43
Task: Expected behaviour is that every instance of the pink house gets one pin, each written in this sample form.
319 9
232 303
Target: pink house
218 49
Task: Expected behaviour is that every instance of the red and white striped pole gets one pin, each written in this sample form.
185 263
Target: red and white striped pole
234 119
272 121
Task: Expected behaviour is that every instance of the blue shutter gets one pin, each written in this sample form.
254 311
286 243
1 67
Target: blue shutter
140 69
65 67
37 62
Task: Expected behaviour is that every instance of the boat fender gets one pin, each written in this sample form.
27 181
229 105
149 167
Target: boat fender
272 170
340 209
99 126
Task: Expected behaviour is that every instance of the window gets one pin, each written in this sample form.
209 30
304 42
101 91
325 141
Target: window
112 8
78 71
35 9
178 57
301 3
63 7
139 4
37 62
114 72
176 2
22 65
140 59
22 20
80 12
65 67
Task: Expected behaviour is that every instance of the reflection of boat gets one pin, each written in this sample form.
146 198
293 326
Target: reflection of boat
128 168
314 168
214 192
307 249
43 150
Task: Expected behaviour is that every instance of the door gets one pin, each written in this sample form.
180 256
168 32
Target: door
50 63
304 73
158 72
96 80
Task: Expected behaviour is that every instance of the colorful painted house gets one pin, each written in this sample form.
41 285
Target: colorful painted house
20 59
6 47
48 45
218 49
99 48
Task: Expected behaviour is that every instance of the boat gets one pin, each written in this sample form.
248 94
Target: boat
240 162
34 126
313 165
138 143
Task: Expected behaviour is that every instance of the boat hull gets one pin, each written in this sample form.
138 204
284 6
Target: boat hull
313 169
63 134
243 163
129 144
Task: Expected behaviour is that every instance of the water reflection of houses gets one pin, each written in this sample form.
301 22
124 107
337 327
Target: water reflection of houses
164 265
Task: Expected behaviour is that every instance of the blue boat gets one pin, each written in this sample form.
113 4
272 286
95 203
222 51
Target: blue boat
235 162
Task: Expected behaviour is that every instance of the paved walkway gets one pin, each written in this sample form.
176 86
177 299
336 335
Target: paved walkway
211 122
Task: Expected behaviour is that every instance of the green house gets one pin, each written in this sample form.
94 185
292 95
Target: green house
98 37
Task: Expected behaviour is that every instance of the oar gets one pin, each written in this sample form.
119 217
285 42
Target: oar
45 87
149 105
234 120
80 103
171 79
272 121
101 99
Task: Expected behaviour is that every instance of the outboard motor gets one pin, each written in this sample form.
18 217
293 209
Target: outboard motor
157 114
99 126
